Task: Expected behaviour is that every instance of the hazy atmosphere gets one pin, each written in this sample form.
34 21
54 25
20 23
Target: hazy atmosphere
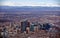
30 2
29 18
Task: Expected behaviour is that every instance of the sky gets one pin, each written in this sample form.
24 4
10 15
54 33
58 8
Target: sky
30 3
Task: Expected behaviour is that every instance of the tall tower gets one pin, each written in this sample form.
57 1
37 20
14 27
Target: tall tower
35 28
32 27
24 25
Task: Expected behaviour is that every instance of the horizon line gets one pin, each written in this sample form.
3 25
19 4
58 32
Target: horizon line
32 6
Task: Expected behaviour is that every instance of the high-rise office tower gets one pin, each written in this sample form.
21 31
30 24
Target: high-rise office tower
35 28
40 26
27 30
32 27
46 26
1 33
24 24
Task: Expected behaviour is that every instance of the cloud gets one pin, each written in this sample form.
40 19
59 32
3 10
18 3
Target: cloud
9 3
